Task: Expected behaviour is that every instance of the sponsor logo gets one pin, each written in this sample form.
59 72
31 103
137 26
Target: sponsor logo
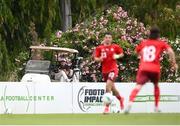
163 98
88 97
10 98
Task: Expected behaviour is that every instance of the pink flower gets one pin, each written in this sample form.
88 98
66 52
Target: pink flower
59 34
122 68
141 24
128 22
161 59
129 39
116 16
97 33
76 29
90 51
164 39
105 22
123 37
77 25
93 48
124 15
135 23
129 27
102 18
91 33
147 32
119 9
109 11
142 29
86 30
140 39
94 23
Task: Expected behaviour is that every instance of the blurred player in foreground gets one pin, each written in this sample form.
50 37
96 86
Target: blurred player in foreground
107 53
150 51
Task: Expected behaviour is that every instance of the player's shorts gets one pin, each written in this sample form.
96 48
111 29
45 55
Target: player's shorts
146 76
110 76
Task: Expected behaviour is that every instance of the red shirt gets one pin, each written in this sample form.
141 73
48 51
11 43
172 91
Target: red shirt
150 52
107 51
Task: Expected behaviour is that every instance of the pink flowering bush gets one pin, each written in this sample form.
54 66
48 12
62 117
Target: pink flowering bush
167 74
85 36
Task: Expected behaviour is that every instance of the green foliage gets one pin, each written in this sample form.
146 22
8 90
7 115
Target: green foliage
126 31
167 74
16 16
18 32
87 35
5 65
164 13
81 9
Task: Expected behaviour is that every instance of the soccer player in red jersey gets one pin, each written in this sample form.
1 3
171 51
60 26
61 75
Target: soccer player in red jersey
150 51
107 53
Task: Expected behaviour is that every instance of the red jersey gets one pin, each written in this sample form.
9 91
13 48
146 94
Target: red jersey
150 52
106 52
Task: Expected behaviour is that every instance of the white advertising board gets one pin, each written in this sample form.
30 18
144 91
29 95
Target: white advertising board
84 101
55 97
30 98
18 97
87 98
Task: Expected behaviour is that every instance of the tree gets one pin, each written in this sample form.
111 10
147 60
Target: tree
16 17
160 12
66 14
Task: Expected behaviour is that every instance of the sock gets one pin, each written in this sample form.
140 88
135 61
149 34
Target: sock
133 94
156 95
118 97
107 105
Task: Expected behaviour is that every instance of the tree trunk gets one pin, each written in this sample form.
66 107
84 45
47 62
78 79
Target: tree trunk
66 14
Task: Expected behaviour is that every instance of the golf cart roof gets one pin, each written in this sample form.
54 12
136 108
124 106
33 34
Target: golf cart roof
60 49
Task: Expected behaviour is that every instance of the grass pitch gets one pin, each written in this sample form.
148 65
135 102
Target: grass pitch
91 119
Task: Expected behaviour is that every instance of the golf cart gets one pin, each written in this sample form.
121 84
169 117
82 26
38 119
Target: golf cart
40 69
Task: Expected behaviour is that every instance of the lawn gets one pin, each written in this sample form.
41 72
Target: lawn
91 119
